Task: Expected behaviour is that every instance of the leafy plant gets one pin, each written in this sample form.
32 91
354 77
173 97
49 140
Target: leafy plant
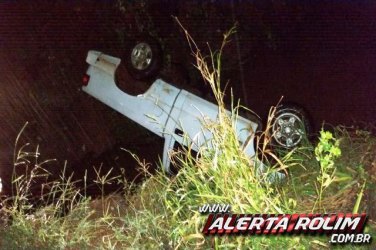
326 152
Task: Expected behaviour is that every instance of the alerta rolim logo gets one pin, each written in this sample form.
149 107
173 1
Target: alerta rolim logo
343 228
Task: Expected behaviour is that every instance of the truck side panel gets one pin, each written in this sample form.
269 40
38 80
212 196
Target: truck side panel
150 109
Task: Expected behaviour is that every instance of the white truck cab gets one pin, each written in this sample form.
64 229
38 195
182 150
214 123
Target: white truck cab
165 110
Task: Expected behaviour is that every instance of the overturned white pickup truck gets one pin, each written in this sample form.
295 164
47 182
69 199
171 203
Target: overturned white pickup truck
167 111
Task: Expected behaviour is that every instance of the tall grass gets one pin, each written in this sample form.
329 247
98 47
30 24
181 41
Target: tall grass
45 213
162 212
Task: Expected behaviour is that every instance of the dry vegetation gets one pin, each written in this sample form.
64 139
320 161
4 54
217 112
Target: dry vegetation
162 211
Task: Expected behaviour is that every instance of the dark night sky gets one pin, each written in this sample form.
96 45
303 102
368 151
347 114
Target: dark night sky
321 54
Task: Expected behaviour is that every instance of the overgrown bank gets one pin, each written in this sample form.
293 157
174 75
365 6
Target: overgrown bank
333 175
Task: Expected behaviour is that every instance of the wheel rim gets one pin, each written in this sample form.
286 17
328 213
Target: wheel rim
141 56
288 130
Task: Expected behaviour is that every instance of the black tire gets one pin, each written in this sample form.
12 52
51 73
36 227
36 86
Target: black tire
290 127
143 58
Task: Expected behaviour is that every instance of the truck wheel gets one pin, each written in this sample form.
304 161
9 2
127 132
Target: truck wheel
290 126
143 58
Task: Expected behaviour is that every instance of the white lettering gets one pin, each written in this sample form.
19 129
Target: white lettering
218 224
367 238
242 223
256 222
333 238
350 238
341 238
319 221
326 226
338 223
227 226
270 221
347 222
283 223
302 222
